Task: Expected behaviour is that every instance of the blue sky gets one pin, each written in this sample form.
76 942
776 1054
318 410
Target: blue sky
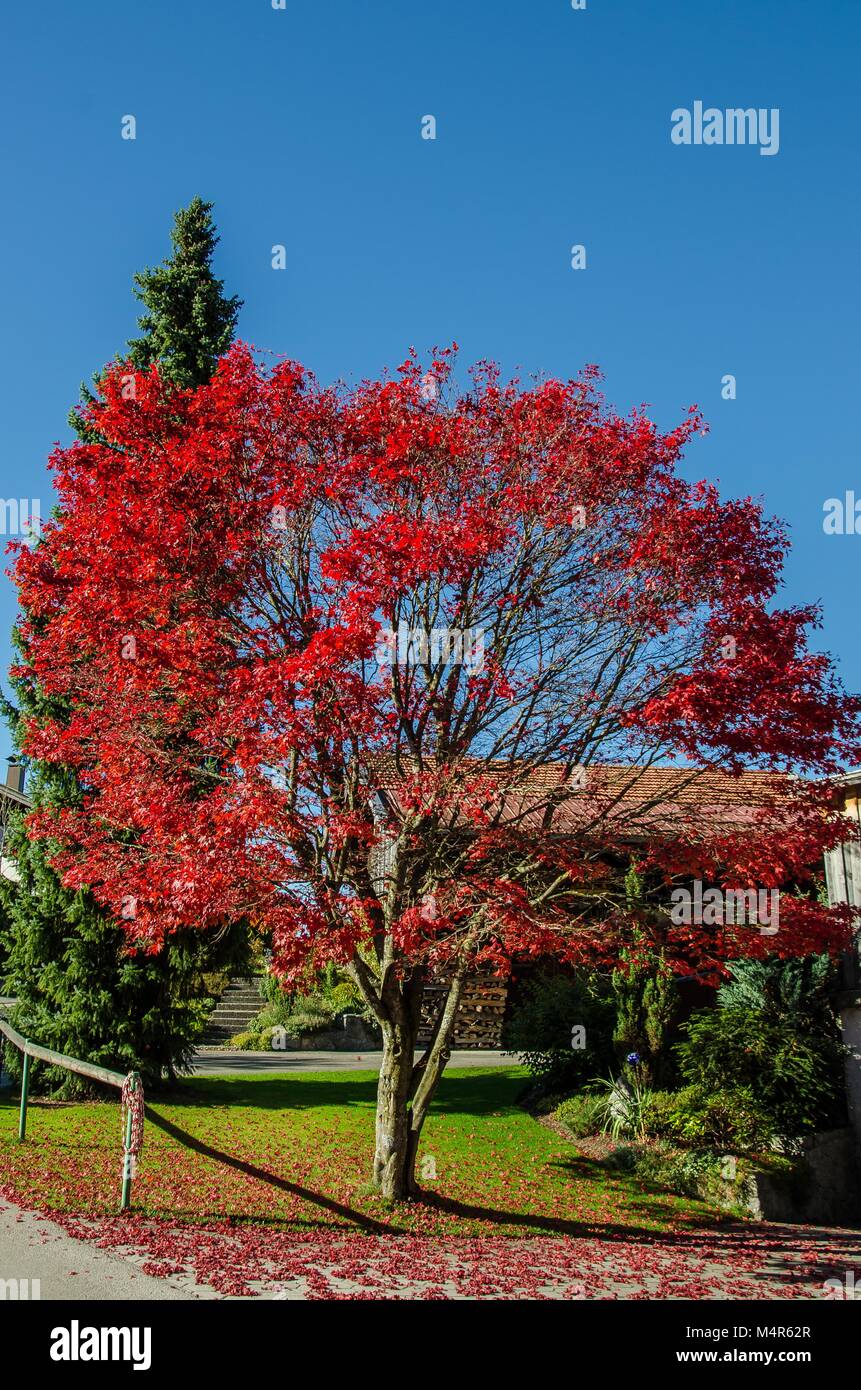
303 125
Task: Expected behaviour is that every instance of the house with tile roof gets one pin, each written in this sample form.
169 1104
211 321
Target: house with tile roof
610 804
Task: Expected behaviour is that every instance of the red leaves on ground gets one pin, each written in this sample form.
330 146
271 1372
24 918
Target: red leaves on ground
737 1262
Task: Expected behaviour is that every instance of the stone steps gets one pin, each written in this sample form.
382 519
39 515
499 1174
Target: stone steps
238 1006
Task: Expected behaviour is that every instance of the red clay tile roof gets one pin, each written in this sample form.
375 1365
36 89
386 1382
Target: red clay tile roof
637 799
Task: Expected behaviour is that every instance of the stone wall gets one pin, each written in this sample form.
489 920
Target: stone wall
825 1191
353 1035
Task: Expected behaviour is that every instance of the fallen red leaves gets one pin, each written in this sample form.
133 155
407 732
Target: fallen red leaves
734 1262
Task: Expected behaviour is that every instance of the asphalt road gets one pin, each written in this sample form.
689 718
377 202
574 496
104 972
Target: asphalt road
220 1062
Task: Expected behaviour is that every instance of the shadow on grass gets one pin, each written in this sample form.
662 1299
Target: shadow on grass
660 1210
302 1091
546 1225
789 1256
250 1170
468 1093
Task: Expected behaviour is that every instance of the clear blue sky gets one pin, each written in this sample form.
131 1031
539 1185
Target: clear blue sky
553 128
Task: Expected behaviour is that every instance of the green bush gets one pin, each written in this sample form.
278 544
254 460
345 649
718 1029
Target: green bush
343 997
785 1068
779 988
729 1120
623 1159
645 994
314 1011
580 1114
660 1116
709 1174
540 1025
250 1042
308 1020
699 1173
273 1015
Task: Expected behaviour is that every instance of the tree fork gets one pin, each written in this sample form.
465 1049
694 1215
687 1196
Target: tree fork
406 1089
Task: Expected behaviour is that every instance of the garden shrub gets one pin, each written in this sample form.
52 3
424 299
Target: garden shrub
779 988
540 1024
623 1159
727 1119
580 1114
782 1066
645 996
699 1173
708 1174
660 1114
307 1019
314 1011
676 1170
623 1107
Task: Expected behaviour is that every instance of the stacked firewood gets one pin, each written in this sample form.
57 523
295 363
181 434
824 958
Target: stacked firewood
480 1013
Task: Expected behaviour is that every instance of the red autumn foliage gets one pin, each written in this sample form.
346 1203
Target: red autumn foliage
211 598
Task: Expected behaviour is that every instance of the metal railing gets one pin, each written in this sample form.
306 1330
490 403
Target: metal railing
130 1087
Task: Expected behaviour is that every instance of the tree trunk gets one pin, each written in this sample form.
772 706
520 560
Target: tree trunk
393 1096
406 1090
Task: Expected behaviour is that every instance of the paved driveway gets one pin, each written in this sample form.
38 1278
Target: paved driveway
32 1248
82 1258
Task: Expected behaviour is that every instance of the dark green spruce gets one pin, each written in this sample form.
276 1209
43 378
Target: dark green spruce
80 990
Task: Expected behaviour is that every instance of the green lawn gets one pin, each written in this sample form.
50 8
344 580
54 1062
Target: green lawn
295 1151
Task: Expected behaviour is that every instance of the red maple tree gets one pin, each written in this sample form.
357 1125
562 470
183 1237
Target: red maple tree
390 672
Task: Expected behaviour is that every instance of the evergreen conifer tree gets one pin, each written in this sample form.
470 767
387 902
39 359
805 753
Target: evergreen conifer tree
79 988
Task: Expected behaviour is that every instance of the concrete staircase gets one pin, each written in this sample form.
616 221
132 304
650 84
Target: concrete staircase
238 1005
